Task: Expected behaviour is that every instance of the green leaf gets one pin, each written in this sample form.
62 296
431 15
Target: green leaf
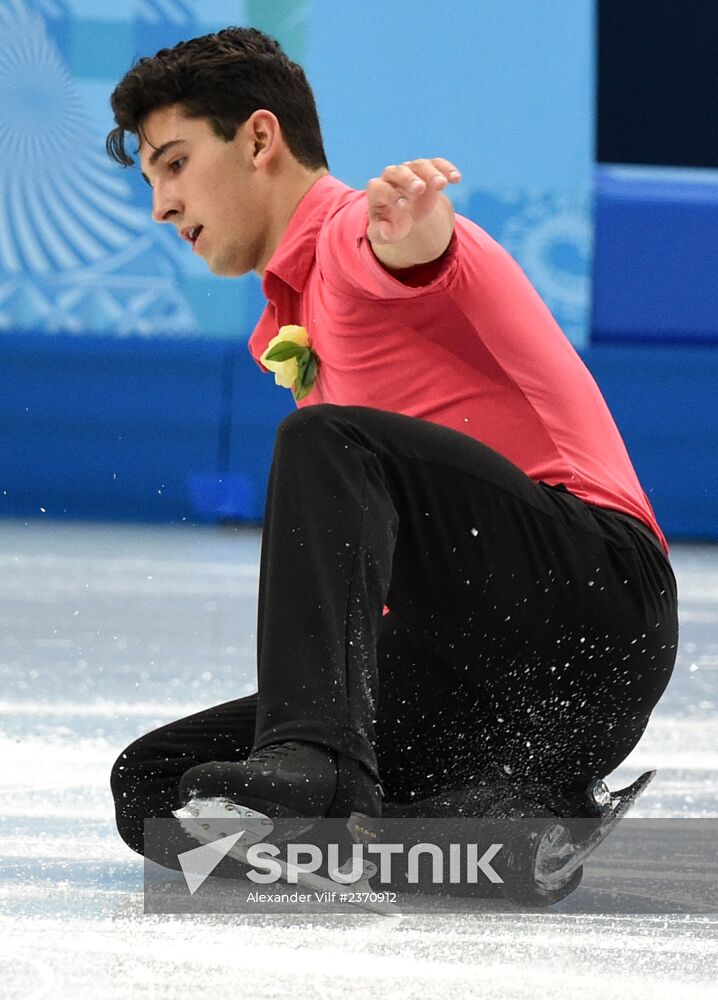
306 378
309 374
285 350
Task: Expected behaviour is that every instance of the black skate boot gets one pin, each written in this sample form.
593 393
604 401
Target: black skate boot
288 780
280 792
540 831
541 828
547 864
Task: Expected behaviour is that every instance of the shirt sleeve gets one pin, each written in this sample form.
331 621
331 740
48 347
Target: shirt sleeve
347 262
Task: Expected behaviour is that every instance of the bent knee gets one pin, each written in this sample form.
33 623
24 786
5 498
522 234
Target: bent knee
308 416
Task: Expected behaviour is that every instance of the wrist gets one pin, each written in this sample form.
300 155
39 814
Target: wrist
427 240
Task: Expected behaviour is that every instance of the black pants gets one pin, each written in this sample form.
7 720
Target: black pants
526 627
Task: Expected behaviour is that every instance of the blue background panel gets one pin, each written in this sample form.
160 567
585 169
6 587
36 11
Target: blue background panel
665 401
655 256
101 428
100 48
504 87
258 405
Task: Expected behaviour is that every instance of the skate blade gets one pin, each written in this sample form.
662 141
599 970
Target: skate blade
557 843
206 820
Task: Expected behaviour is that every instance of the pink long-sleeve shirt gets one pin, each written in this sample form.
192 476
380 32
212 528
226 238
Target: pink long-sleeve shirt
467 343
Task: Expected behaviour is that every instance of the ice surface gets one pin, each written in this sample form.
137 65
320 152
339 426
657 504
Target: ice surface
109 631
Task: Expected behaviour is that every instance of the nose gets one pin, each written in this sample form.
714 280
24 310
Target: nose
165 205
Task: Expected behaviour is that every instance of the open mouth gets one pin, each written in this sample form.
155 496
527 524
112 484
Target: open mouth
191 234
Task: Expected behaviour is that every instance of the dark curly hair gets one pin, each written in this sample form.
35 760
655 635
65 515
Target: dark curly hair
223 77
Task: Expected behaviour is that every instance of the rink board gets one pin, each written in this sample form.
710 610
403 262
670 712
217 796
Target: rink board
173 431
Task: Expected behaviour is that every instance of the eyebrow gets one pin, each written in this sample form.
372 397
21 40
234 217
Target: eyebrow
159 152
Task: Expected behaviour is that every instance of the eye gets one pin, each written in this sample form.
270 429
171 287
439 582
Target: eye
176 165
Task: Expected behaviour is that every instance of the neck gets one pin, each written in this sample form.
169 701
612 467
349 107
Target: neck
284 200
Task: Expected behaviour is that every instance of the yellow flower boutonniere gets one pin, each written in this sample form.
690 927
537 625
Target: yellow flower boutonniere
292 360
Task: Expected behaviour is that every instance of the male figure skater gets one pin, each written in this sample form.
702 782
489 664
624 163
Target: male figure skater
454 461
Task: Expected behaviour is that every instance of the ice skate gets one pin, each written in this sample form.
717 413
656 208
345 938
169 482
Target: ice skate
284 780
210 819
544 856
278 794
547 865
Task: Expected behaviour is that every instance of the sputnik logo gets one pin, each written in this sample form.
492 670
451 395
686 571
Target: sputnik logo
199 863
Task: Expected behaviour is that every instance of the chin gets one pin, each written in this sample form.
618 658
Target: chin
227 268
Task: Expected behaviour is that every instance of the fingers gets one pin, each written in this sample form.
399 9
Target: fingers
404 192
436 173
398 184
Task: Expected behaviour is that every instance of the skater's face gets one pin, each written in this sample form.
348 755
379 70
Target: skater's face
199 179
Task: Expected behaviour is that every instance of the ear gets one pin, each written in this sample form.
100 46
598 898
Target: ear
265 135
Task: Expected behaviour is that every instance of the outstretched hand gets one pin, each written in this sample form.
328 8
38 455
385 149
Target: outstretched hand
405 195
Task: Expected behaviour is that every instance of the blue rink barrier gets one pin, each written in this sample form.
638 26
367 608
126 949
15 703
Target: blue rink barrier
145 430
665 402
183 430
655 254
